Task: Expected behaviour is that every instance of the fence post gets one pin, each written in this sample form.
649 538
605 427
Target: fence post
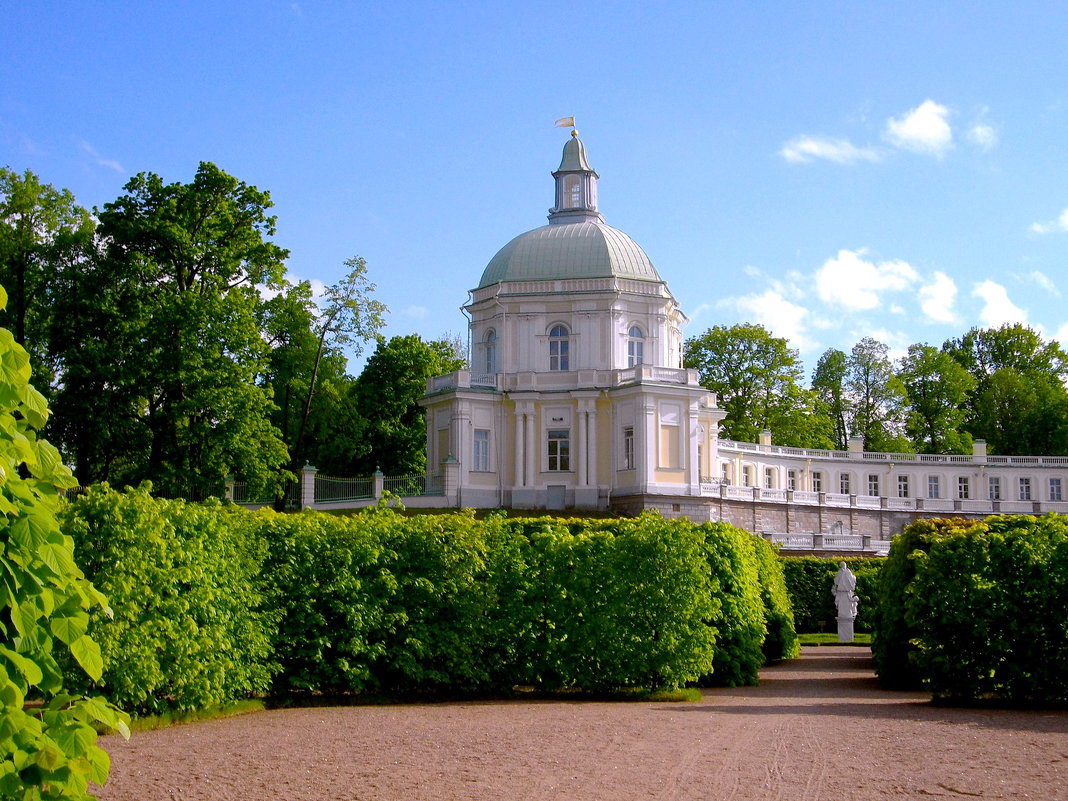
451 477
378 484
228 491
307 486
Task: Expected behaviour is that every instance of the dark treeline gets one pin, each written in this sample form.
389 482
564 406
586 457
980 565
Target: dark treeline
1004 385
171 346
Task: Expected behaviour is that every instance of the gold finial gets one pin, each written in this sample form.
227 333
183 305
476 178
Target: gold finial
574 132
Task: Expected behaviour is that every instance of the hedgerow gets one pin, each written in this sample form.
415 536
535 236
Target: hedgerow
781 641
190 628
974 610
381 601
809 580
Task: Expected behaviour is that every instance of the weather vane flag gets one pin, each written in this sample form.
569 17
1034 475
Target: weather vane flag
565 122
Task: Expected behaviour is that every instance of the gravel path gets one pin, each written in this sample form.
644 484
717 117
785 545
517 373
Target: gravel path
817 729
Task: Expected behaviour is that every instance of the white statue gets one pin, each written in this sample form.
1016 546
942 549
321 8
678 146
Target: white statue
845 584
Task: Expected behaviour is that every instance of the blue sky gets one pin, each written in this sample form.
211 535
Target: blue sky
830 170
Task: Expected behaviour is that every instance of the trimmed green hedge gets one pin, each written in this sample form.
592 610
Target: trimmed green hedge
809 580
214 603
975 610
189 627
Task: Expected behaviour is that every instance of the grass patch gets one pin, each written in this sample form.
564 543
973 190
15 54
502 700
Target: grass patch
860 638
165 719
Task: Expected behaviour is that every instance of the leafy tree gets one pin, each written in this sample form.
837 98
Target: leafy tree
160 342
47 750
828 382
42 232
756 377
877 400
349 319
937 387
387 394
1019 403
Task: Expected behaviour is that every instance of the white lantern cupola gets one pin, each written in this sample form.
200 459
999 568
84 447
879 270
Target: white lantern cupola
576 186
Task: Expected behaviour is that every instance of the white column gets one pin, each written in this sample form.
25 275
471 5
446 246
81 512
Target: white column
591 428
519 442
694 466
652 458
532 449
582 449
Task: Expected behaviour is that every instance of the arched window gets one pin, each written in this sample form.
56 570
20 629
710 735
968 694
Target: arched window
635 346
490 343
559 341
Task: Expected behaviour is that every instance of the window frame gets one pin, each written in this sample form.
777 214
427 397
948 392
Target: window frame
558 450
559 348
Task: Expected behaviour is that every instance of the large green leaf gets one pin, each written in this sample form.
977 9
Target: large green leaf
24 665
87 652
69 629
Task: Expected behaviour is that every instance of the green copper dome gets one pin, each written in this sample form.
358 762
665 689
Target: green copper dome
571 250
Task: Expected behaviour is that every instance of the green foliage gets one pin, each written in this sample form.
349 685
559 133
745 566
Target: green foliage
781 641
891 634
1019 403
937 387
757 379
986 610
740 625
809 580
42 232
877 403
446 602
189 628
387 394
160 339
48 751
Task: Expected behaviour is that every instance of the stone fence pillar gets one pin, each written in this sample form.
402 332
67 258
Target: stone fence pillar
307 486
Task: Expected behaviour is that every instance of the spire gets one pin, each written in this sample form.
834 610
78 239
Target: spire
576 186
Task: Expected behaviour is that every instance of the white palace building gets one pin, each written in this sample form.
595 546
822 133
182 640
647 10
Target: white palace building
577 399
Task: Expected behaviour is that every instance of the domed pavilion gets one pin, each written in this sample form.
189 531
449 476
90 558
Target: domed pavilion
576 396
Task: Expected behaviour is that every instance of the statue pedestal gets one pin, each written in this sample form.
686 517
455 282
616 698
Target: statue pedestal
845 629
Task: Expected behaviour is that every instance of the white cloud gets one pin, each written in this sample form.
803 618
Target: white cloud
938 297
806 149
418 312
924 129
1044 282
997 308
111 164
779 315
983 136
852 282
1062 335
1058 225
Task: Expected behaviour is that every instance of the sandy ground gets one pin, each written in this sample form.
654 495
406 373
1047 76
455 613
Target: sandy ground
817 728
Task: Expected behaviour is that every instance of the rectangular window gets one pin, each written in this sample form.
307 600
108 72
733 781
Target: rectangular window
1055 490
903 486
1025 489
873 484
791 480
560 450
769 478
817 482
993 488
628 447
934 487
480 461
726 473
747 476
964 488
844 484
